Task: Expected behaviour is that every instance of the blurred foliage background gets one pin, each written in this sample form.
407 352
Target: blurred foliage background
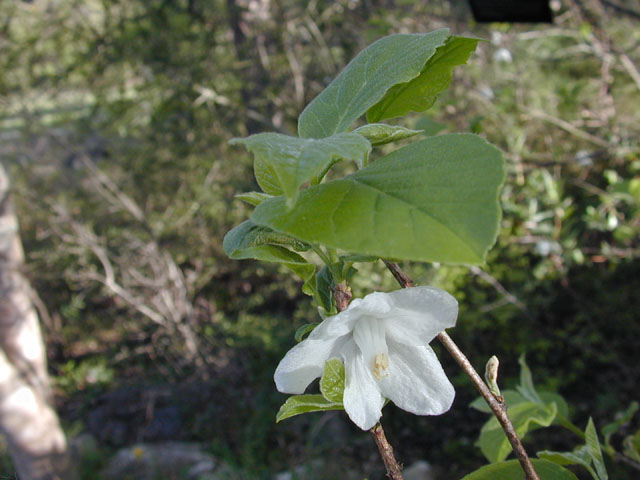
114 122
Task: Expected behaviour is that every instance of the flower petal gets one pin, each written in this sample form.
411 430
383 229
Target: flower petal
305 362
416 381
421 313
362 398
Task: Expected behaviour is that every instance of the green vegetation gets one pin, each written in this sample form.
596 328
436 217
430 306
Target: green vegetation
116 120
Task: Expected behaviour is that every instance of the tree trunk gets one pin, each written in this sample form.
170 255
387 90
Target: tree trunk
27 420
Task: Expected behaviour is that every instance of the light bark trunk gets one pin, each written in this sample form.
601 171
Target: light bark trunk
27 419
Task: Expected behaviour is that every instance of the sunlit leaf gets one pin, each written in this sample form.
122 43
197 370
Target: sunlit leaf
289 162
420 93
432 200
332 380
299 404
392 60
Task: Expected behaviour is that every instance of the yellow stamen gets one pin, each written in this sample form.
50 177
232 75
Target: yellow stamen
381 365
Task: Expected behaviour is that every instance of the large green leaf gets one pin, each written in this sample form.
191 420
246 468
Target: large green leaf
332 381
511 470
525 416
435 200
392 60
285 163
305 403
420 94
249 240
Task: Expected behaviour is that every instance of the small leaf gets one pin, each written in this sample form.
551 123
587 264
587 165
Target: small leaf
249 240
580 456
631 445
525 417
332 380
435 200
511 470
526 387
366 79
247 235
299 404
266 177
304 330
381 133
253 198
612 428
286 163
420 93
325 284
593 446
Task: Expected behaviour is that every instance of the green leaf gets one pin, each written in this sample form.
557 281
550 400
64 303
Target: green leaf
551 397
381 133
580 456
247 235
511 398
249 240
288 162
266 177
631 444
253 198
332 380
420 93
593 446
324 284
392 60
526 387
429 126
511 470
304 330
299 404
525 416
435 200
612 428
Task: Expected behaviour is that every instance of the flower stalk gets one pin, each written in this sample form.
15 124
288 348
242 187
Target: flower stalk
498 407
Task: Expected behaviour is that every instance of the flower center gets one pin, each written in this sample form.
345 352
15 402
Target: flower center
380 365
369 335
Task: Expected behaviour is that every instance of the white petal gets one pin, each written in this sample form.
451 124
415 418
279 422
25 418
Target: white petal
416 382
421 313
369 335
362 398
376 303
305 362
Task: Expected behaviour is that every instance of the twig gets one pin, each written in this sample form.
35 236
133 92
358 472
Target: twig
499 408
342 296
394 470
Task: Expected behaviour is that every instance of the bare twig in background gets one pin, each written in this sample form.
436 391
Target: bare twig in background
498 407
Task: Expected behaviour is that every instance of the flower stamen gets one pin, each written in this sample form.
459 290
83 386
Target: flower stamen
381 366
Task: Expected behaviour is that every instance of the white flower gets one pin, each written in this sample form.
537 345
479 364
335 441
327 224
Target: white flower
383 341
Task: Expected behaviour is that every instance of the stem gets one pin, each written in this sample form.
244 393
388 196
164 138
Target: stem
498 407
342 296
394 470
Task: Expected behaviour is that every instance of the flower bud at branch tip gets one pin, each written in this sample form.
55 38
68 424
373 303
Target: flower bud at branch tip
491 377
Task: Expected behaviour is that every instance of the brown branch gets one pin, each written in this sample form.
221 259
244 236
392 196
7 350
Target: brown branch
498 407
394 470
342 296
